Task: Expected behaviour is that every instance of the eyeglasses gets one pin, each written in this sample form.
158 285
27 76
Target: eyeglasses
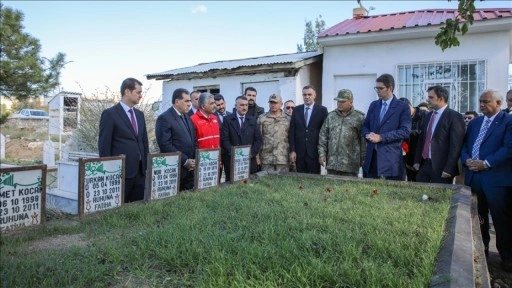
379 88
289 107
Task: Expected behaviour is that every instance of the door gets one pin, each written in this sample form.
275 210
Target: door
361 86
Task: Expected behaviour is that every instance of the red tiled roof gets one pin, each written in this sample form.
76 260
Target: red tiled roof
408 19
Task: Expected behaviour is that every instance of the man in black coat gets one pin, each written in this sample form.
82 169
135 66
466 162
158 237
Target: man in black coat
253 109
439 146
176 133
123 131
305 125
239 129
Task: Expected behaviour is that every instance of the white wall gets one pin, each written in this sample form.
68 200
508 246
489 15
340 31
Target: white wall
383 57
232 87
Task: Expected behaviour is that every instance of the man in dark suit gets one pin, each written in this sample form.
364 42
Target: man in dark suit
239 129
487 158
253 110
386 126
438 149
194 100
221 108
176 133
305 124
123 131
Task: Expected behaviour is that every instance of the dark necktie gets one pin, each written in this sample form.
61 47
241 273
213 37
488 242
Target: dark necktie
241 122
134 124
306 114
428 137
185 124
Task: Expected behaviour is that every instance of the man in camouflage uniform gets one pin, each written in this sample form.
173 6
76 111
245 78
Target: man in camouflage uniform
341 143
274 127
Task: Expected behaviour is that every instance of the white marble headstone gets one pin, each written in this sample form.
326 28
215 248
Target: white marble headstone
48 153
2 146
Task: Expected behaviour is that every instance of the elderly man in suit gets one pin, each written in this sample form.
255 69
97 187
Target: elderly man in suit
438 148
305 124
386 126
239 129
487 158
176 133
123 131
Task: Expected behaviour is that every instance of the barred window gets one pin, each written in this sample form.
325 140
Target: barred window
464 80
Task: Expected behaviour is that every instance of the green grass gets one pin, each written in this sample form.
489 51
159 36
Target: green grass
268 233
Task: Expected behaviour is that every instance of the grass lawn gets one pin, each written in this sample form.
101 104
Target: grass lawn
271 232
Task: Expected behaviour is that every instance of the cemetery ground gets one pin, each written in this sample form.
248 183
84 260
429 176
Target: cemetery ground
67 233
268 232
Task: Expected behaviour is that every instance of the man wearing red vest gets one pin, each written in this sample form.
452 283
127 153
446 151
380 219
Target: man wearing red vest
206 124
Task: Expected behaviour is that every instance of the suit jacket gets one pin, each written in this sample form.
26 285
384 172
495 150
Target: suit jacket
446 142
172 136
117 137
394 128
218 117
304 140
232 135
496 149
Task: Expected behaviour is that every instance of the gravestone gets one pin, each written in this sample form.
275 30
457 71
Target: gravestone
207 168
22 197
101 184
163 178
48 153
240 162
2 146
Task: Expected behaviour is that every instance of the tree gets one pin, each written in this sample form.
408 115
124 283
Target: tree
23 72
310 35
447 37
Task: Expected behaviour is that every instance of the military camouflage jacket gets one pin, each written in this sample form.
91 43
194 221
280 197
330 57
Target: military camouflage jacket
341 141
274 131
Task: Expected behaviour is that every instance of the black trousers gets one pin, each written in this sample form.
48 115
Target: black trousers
307 164
187 182
134 187
426 174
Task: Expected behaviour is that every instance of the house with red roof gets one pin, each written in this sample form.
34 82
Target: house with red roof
356 51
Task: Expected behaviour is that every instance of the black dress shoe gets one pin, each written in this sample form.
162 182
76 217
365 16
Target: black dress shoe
506 265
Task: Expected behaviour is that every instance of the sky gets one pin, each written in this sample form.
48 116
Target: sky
108 41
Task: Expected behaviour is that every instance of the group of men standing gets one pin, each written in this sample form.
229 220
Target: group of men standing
306 137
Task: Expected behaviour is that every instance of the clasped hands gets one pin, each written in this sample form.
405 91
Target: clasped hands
372 137
476 165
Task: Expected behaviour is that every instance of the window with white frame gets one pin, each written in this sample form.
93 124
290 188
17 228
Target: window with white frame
464 80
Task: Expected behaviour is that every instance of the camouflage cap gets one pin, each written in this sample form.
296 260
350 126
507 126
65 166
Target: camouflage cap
344 95
275 98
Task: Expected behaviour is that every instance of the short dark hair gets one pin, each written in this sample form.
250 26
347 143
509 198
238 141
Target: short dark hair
178 94
218 97
387 80
405 100
423 104
309 87
289 101
129 83
195 91
471 113
241 97
250 89
440 91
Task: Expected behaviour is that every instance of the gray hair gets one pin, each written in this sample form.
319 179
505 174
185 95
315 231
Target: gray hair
495 93
203 99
